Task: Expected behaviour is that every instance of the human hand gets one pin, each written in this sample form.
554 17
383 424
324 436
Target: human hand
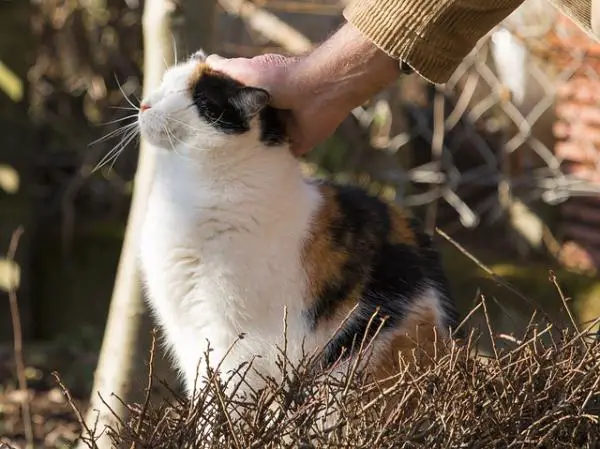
319 89
313 116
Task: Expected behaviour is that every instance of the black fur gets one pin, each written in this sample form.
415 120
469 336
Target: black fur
229 106
390 274
212 96
358 231
432 265
272 130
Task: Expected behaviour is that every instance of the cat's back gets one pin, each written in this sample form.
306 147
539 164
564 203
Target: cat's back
367 255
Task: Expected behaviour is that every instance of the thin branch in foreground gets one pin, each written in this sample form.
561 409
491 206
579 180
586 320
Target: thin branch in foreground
501 281
89 435
564 300
18 339
142 415
529 393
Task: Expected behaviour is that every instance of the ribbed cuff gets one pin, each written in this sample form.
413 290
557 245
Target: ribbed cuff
431 36
580 12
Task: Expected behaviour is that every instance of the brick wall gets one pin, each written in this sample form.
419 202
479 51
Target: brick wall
578 132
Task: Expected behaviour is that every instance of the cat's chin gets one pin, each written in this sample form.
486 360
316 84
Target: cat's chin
155 139
157 142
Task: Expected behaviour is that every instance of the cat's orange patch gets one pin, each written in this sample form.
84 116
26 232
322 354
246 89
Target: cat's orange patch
411 348
415 339
401 232
200 70
322 259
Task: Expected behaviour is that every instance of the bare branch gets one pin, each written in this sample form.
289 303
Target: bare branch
18 339
268 25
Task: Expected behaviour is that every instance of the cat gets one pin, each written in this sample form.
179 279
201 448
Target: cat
234 234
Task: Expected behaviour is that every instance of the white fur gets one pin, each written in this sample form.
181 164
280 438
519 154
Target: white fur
222 239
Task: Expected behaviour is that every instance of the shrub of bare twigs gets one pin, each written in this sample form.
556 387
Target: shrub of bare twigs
541 389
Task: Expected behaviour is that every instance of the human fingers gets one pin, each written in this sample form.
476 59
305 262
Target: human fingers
261 71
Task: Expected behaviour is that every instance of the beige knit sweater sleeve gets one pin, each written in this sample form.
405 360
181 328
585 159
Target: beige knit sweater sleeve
434 36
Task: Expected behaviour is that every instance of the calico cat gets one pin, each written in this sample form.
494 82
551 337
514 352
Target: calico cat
234 234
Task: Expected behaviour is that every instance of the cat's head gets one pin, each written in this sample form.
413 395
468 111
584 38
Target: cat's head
196 108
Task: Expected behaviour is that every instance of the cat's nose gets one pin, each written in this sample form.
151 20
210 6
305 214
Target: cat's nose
144 107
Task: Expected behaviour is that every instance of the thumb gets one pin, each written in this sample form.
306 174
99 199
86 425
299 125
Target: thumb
237 68
268 71
253 72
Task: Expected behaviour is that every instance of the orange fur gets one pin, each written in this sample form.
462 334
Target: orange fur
415 341
200 70
322 260
401 233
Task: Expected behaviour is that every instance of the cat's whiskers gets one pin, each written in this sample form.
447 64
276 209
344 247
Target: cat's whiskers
214 122
170 136
237 162
179 122
116 155
217 120
114 159
114 133
125 95
174 48
224 164
119 119
124 108
115 152
220 122
112 153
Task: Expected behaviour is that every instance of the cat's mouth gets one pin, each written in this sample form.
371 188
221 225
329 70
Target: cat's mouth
153 128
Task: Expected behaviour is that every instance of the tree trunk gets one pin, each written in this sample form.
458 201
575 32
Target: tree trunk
121 368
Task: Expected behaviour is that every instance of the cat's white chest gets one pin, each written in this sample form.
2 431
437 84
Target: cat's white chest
215 273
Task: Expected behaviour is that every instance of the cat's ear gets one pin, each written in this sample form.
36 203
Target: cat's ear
251 100
199 55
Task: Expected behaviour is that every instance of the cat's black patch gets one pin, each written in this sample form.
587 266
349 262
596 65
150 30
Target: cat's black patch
387 275
212 94
395 279
432 265
272 130
357 231
229 106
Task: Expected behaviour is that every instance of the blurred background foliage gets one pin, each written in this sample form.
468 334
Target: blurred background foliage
65 68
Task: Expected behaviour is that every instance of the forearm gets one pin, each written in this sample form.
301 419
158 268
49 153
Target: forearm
347 69
432 36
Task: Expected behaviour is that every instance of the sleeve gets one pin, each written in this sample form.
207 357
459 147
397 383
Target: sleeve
434 36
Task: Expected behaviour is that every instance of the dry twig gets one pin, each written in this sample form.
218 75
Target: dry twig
268 25
503 282
88 434
18 340
142 414
530 394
